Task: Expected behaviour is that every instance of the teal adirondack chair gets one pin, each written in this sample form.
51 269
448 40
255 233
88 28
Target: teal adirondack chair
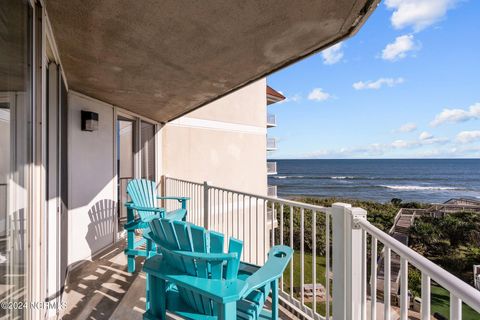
144 198
194 279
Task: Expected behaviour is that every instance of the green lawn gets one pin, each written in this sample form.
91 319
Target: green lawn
441 303
320 278
440 297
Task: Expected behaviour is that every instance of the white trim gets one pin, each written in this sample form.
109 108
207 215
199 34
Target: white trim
53 46
216 125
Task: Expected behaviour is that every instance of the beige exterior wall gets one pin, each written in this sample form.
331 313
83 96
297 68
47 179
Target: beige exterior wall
223 142
92 180
245 106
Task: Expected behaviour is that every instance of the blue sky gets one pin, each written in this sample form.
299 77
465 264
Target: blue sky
405 86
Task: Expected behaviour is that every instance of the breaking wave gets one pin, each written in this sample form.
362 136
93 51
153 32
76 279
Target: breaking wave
408 188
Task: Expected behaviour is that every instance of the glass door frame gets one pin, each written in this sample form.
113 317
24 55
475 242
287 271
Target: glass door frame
137 120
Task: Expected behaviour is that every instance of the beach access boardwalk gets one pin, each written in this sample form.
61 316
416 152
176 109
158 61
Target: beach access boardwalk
400 231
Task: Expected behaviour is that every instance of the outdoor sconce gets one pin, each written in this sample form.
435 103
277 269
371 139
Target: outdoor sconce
89 121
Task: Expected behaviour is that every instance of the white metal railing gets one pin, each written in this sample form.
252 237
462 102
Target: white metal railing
260 222
458 289
271 120
194 190
272 191
271 144
271 167
327 277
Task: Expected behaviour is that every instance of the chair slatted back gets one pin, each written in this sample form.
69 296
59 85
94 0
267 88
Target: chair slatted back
143 193
177 238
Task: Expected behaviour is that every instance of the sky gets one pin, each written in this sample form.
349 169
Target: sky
405 86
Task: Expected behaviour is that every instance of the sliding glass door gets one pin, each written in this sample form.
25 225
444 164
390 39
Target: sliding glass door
136 157
15 148
125 163
147 151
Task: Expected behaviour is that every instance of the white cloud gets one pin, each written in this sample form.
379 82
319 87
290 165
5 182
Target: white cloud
418 14
408 127
294 98
333 54
425 136
375 85
318 94
400 144
457 115
399 48
380 149
424 140
468 136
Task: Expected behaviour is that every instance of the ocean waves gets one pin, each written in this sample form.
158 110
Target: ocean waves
380 178
420 188
432 180
317 177
398 184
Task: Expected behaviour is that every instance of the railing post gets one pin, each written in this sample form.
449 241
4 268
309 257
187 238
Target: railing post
206 205
163 192
347 267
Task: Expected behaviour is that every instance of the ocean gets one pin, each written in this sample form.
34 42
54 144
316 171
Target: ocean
422 180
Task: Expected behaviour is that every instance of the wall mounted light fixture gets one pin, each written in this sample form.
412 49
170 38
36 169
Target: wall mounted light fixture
89 121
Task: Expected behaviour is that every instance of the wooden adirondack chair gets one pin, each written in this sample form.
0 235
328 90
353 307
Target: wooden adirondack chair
194 279
144 198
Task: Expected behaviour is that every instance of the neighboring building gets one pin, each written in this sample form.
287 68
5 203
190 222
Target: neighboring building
273 96
227 135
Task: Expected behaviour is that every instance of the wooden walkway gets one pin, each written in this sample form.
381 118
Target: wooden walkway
400 231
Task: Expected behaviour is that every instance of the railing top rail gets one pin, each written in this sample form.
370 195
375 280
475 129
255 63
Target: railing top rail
186 181
267 198
459 288
276 200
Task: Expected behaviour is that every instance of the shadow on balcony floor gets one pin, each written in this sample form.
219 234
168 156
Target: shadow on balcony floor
103 289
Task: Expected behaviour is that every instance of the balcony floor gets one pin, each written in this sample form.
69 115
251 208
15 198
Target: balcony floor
103 289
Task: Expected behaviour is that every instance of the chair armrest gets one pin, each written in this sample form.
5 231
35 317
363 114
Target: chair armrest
180 199
130 205
221 291
278 258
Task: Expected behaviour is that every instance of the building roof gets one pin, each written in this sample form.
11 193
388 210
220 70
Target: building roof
273 95
163 59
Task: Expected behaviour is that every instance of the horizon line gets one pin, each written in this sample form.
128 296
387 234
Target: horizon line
373 159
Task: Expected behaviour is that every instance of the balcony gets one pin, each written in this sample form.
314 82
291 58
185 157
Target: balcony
271 144
271 120
335 272
271 167
337 251
272 191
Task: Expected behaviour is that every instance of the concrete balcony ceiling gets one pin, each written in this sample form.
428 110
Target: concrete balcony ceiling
165 58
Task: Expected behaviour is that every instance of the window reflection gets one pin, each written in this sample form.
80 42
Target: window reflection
15 145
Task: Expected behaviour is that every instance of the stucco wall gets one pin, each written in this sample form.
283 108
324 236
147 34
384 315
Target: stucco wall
91 180
244 106
223 142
